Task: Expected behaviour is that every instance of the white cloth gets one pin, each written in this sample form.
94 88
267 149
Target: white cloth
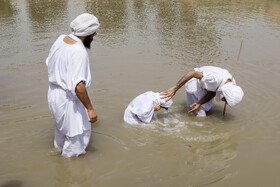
213 79
201 112
84 25
141 108
164 103
71 146
67 66
232 93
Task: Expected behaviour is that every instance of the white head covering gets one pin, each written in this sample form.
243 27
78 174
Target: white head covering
232 93
84 25
219 94
143 105
165 104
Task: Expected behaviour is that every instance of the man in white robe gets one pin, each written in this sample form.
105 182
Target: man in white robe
201 86
69 76
144 107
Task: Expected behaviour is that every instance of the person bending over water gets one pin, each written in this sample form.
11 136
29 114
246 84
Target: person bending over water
142 108
202 85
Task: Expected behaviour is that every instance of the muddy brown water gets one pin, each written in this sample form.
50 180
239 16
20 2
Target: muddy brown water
144 45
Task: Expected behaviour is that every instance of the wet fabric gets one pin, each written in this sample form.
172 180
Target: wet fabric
71 146
141 108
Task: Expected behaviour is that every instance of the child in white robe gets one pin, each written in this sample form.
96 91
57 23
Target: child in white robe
142 108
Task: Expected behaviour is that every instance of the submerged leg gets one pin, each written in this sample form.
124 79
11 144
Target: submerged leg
59 139
75 146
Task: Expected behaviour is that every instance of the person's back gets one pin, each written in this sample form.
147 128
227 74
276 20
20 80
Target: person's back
63 61
143 107
213 77
140 109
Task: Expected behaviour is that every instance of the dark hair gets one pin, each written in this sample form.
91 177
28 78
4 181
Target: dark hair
88 41
164 107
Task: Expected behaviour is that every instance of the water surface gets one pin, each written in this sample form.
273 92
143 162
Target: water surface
144 45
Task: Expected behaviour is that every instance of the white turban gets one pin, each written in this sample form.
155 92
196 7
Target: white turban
84 25
232 93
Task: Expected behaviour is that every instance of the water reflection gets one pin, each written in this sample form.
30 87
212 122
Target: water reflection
12 183
46 15
112 16
8 27
178 28
186 33
6 9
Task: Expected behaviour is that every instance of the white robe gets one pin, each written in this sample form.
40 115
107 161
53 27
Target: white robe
67 66
213 78
141 108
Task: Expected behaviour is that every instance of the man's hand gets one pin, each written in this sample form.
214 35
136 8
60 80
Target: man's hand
196 106
168 93
84 98
92 115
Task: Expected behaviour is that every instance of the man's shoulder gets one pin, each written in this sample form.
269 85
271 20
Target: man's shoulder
78 52
75 49
79 49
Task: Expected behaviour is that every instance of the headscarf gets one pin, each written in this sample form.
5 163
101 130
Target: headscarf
143 105
232 93
165 104
84 25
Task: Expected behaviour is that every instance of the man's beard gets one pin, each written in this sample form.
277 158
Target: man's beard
87 41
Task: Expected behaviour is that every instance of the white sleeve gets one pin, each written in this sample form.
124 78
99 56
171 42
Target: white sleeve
79 71
210 81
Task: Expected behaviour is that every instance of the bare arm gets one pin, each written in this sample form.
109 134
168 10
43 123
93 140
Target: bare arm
84 98
205 99
171 91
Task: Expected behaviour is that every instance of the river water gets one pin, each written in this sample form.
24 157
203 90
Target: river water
144 45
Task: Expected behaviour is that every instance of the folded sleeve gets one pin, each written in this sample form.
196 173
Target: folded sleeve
79 71
192 86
